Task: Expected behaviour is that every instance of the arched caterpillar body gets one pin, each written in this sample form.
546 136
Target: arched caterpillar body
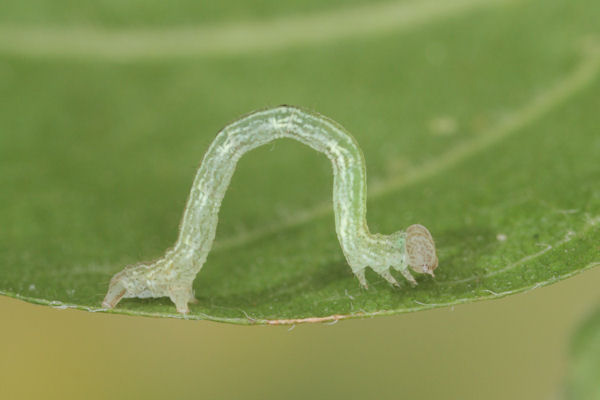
173 274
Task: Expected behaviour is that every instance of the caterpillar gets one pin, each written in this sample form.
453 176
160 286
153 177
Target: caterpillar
172 275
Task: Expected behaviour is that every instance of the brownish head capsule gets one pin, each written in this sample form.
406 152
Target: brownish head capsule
420 249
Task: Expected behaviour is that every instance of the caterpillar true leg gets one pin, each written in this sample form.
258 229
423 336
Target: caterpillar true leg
409 277
388 277
173 274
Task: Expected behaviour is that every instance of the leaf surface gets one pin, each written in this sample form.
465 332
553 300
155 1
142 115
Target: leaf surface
475 123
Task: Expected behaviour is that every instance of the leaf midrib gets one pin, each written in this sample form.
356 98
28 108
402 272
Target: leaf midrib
230 39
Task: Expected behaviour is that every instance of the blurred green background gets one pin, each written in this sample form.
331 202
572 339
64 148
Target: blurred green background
131 93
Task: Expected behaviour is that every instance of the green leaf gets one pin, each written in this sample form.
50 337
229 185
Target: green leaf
474 121
584 368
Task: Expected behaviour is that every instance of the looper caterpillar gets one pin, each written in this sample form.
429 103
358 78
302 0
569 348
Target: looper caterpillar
173 274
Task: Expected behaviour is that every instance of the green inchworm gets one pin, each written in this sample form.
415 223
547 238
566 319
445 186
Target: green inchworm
173 274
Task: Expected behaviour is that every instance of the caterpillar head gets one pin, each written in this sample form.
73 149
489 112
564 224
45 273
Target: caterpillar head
420 250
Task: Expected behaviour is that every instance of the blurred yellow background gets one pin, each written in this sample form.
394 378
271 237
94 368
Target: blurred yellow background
513 348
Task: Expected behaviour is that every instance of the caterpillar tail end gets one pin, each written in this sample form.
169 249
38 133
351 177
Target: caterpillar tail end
115 293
